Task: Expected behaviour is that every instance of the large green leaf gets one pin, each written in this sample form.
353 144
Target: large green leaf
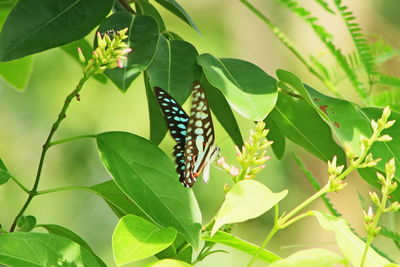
315 257
143 37
20 249
118 201
147 176
248 89
301 124
246 200
72 50
27 31
223 112
64 232
351 246
135 238
174 68
176 9
4 174
346 119
230 240
7 4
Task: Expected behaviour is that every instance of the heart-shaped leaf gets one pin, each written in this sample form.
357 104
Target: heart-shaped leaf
147 176
246 200
135 238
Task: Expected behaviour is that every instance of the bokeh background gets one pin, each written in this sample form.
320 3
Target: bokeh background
228 30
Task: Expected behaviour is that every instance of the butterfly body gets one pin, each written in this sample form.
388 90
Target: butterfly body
194 134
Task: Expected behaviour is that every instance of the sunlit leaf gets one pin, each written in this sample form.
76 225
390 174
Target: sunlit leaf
246 200
17 72
351 246
248 89
169 263
135 238
315 257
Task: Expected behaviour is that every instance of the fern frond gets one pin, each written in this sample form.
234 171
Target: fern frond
337 73
313 181
385 79
383 51
326 38
388 97
325 6
359 40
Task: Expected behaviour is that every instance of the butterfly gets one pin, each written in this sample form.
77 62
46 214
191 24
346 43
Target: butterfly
194 134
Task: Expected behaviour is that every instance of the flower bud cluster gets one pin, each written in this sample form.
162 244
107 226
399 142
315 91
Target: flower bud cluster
388 186
251 157
110 52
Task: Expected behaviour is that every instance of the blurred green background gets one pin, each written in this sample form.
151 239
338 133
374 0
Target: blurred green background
228 30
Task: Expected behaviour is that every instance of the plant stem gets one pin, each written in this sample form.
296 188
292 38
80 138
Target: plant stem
68 139
46 146
374 223
285 40
273 231
20 185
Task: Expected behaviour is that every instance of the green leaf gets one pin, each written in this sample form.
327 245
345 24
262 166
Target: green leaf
346 119
246 200
64 232
279 141
147 176
135 238
315 257
148 9
20 249
27 31
26 223
119 202
72 50
158 126
351 246
178 11
230 240
174 68
248 89
169 263
7 4
223 112
300 123
143 37
17 73
4 174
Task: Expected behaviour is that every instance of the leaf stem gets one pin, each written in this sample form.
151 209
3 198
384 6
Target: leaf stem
68 139
285 40
46 146
64 188
26 190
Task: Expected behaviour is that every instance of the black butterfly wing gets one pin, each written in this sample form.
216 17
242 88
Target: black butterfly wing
177 121
199 147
